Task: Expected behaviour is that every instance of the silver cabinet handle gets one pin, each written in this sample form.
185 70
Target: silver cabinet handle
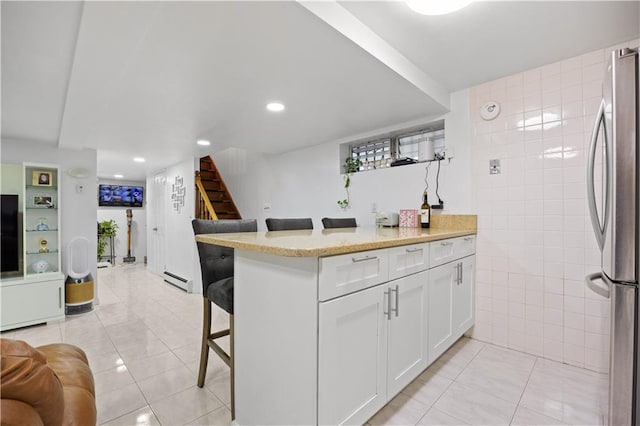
413 250
591 193
387 294
468 238
396 310
598 289
458 273
446 243
59 297
363 259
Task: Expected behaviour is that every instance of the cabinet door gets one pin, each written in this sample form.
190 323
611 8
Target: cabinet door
463 297
31 303
441 282
407 342
352 356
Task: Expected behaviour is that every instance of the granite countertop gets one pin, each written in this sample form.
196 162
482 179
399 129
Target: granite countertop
328 242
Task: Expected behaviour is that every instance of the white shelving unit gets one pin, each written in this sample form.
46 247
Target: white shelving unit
37 295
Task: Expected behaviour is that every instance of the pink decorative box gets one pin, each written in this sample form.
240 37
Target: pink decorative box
409 219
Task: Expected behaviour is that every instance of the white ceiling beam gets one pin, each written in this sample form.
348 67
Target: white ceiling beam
351 27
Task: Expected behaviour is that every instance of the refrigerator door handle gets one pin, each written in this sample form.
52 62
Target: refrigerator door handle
604 291
591 193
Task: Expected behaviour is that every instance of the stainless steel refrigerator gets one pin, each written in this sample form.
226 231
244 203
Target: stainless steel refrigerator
613 183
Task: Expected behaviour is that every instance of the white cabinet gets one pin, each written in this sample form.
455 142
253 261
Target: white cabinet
464 297
441 252
441 283
371 345
407 338
407 260
34 293
451 304
26 302
352 357
344 274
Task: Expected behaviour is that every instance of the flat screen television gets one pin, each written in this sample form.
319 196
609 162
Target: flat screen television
120 195
9 233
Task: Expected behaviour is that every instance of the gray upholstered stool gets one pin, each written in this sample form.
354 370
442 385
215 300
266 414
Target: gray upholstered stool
341 222
274 224
216 265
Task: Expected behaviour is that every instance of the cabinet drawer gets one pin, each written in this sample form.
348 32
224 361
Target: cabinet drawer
444 251
347 273
407 260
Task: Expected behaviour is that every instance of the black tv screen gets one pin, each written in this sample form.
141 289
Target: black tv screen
120 195
9 233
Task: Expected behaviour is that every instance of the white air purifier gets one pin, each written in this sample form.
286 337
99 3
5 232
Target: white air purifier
79 283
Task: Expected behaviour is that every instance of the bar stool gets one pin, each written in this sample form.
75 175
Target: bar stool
216 266
274 224
341 222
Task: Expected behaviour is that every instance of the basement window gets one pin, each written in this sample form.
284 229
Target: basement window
380 151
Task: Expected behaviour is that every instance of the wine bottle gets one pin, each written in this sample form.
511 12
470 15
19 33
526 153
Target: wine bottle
425 213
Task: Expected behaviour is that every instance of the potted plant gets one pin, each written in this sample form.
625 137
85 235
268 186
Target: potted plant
351 166
106 229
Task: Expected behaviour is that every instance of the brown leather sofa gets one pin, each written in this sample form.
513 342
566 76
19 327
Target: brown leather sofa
47 385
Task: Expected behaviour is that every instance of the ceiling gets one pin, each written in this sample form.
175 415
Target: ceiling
150 78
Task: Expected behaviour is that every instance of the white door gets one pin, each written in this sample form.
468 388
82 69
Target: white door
440 322
157 198
463 297
407 342
352 357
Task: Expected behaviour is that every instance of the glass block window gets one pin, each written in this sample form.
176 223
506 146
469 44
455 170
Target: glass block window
380 151
373 155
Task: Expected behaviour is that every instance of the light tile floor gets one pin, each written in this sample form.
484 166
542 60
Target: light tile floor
143 346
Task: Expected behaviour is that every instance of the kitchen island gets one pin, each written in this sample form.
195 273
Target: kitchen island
331 324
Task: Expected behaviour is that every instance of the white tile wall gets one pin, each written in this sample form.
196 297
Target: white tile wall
535 242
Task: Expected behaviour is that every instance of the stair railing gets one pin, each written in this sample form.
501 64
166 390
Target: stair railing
204 208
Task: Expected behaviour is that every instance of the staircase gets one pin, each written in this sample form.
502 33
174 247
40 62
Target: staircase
213 200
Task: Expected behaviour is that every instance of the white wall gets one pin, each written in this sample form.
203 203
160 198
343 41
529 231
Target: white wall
77 210
138 224
535 242
307 182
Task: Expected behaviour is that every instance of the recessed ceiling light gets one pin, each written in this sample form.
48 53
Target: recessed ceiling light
118 176
138 159
275 106
203 142
436 7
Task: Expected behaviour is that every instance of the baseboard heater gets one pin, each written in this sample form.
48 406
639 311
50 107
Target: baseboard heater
178 281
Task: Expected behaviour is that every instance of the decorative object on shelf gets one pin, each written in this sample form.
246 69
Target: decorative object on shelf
178 192
40 266
42 178
106 229
490 110
43 201
43 246
409 219
351 166
42 224
129 258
